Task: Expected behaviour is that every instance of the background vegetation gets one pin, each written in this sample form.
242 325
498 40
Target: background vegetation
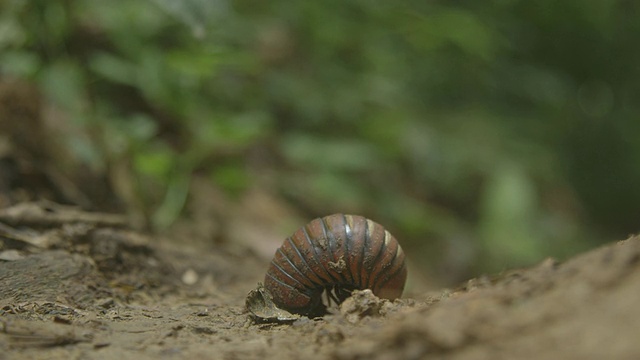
484 134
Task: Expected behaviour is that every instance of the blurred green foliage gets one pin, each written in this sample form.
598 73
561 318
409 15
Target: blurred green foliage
485 135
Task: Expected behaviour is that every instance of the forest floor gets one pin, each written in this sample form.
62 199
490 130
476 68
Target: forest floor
77 285
83 285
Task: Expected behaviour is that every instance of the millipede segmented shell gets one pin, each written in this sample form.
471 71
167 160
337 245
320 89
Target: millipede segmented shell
337 253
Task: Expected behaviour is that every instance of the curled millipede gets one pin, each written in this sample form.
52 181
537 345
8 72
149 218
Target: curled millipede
337 254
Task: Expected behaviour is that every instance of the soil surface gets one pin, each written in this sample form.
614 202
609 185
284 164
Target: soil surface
80 285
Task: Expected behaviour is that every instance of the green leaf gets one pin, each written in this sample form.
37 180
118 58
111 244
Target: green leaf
113 68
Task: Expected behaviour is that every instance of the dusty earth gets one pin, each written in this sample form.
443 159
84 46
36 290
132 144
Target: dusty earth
78 285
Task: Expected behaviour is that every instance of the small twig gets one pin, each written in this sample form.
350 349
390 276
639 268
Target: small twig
28 333
52 214
10 233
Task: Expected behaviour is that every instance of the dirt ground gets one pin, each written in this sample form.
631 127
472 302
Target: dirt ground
77 285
